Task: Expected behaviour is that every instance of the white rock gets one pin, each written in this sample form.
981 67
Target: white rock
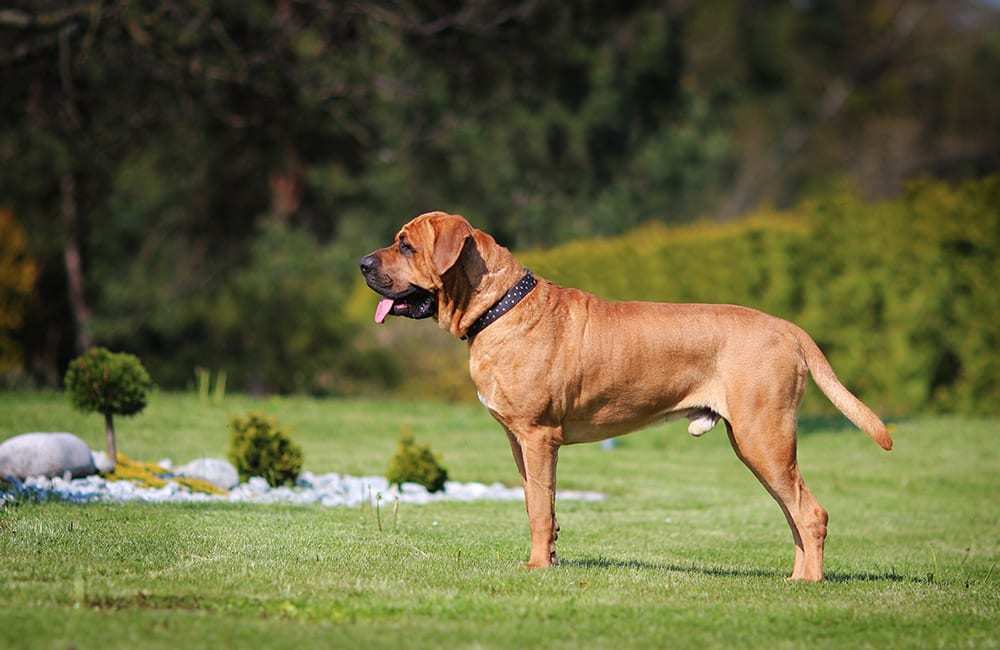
413 488
258 484
45 454
216 471
102 461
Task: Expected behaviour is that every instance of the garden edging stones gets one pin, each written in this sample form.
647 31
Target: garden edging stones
216 471
321 489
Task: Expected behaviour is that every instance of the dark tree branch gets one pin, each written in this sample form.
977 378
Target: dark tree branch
24 20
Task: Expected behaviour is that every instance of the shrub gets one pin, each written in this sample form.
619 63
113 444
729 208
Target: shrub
415 463
108 383
259 447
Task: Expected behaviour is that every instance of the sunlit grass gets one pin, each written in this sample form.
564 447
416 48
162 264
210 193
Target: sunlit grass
687 550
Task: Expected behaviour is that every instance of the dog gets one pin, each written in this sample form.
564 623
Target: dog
558 366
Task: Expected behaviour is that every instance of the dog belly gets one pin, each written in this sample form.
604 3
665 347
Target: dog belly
612 422
632 393
581 431
612 403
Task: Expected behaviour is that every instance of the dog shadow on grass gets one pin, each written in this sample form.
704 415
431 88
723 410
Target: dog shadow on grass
736 572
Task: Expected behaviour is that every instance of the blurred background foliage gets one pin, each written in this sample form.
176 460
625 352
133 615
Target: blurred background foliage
194 181
17 279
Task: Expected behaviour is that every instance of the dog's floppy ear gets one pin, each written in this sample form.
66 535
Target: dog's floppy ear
450 234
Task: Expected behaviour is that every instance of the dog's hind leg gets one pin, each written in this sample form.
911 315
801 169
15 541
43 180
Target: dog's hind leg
767 448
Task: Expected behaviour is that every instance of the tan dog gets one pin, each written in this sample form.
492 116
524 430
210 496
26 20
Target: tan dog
562 366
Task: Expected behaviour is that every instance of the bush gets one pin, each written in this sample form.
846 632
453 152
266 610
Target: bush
259 447
415 463
108 383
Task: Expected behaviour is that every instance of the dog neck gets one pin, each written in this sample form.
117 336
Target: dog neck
506 302
484 273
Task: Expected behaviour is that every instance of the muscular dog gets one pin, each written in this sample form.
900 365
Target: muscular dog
558 366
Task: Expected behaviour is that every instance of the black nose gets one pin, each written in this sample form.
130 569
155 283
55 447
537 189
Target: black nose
368 263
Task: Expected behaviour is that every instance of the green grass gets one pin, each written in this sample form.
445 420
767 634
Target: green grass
687 551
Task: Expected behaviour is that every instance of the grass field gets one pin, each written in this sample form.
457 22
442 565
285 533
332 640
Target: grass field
687 551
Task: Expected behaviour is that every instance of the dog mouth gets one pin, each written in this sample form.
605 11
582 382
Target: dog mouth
414 303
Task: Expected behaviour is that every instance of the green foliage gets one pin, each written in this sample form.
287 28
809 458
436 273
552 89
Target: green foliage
110 383
276 321
259 447
903 295
415 463
204 387
279 317
283 140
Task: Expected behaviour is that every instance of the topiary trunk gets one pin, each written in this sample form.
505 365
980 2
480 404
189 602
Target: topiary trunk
109 430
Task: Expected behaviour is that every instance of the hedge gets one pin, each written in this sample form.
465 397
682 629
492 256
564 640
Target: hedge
903 295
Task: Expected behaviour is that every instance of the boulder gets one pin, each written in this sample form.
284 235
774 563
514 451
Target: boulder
45 454
216 471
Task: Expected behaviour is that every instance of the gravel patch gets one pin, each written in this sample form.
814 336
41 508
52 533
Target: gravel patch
330 490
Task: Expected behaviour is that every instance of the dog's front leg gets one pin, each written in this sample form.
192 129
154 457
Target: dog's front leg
540 451
515 448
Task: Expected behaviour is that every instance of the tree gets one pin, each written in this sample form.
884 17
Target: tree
148 146
108 383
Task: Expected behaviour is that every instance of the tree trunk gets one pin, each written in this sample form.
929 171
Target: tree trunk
286 188
109 430
74 265
70 214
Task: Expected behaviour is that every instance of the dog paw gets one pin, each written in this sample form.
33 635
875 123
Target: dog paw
531 566
551 560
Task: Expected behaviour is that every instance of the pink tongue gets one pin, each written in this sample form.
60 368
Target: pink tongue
383 309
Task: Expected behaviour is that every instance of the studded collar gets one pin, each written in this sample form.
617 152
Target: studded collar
507 302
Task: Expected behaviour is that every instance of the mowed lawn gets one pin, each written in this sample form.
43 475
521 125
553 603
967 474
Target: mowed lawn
687 550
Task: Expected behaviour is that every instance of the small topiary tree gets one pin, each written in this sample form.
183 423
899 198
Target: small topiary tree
259 447
413 463
108 383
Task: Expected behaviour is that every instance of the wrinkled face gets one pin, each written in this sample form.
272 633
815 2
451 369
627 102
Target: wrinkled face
407 273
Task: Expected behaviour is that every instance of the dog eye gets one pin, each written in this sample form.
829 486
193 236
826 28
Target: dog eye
405 248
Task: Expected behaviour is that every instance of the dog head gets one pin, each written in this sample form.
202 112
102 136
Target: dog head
439 265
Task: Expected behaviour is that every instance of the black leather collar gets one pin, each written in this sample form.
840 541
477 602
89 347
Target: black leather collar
507 302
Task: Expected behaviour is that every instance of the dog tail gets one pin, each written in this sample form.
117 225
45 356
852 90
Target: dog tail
855 410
